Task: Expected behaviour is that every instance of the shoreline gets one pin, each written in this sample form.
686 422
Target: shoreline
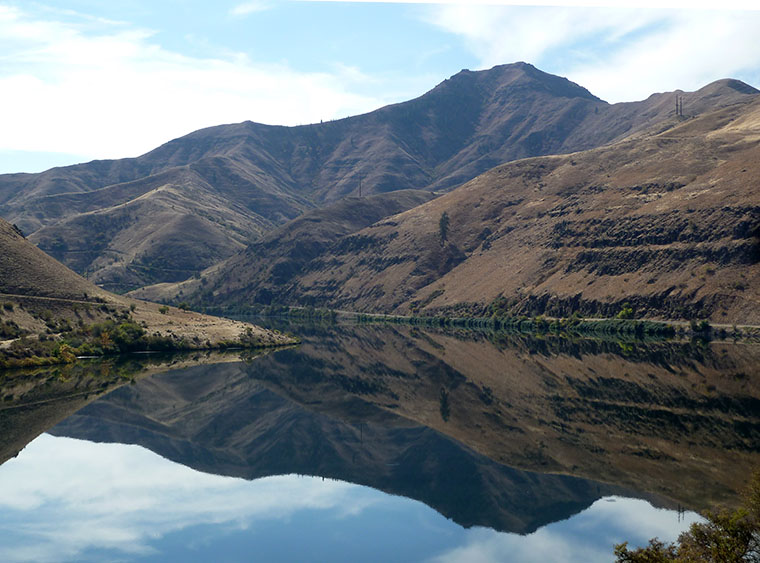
539 325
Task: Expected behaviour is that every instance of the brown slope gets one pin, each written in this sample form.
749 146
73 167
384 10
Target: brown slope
38 293
166 227
667 222
464 126
273 263
26 270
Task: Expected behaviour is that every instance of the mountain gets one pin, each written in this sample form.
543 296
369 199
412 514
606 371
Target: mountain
271 263
44 300
196 200
666 221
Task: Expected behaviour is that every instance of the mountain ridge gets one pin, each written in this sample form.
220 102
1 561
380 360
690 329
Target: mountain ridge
667 222
257 177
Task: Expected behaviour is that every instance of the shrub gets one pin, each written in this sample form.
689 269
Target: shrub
626 312
65 353
727 536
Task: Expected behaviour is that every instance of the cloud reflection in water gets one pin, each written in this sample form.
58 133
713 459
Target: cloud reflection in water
64 499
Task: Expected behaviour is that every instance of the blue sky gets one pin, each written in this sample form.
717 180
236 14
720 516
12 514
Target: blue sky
89 79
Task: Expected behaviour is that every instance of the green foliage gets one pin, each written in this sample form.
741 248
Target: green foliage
626 312
109 337
655 552
701 326
65 353
9 329
500 319
163 309
443 227
726 537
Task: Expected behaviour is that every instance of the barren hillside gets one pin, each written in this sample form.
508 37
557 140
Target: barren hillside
44 301
196 200
666 221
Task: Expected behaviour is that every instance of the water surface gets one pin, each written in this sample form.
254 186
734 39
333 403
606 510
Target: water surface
378 443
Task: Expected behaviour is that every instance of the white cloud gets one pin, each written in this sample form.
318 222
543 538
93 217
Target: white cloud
115 92
639 4
687 52
618 54
249 8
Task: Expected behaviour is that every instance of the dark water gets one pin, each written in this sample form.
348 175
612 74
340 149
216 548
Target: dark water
377 443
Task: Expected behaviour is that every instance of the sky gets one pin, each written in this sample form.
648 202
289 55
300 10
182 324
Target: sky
86 79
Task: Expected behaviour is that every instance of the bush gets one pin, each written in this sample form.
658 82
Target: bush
626 312
701 326
727 537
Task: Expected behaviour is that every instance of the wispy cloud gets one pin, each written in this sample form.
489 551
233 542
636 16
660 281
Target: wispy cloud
618 54
639 4
249 8
112 91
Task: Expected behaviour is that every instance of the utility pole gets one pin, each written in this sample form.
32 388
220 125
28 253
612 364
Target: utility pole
360 185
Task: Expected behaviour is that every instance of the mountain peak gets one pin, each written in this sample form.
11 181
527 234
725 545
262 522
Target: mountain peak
520 75
725 85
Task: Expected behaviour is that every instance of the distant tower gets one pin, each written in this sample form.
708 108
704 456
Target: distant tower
360 185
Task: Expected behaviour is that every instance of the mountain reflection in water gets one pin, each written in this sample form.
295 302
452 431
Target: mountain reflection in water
502 432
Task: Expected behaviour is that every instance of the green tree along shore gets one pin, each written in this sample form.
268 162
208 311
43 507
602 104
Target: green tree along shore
726 537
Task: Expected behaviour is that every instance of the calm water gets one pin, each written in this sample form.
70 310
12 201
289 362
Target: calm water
377 444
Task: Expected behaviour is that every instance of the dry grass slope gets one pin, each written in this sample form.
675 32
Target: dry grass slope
195 201
667 222
43 299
